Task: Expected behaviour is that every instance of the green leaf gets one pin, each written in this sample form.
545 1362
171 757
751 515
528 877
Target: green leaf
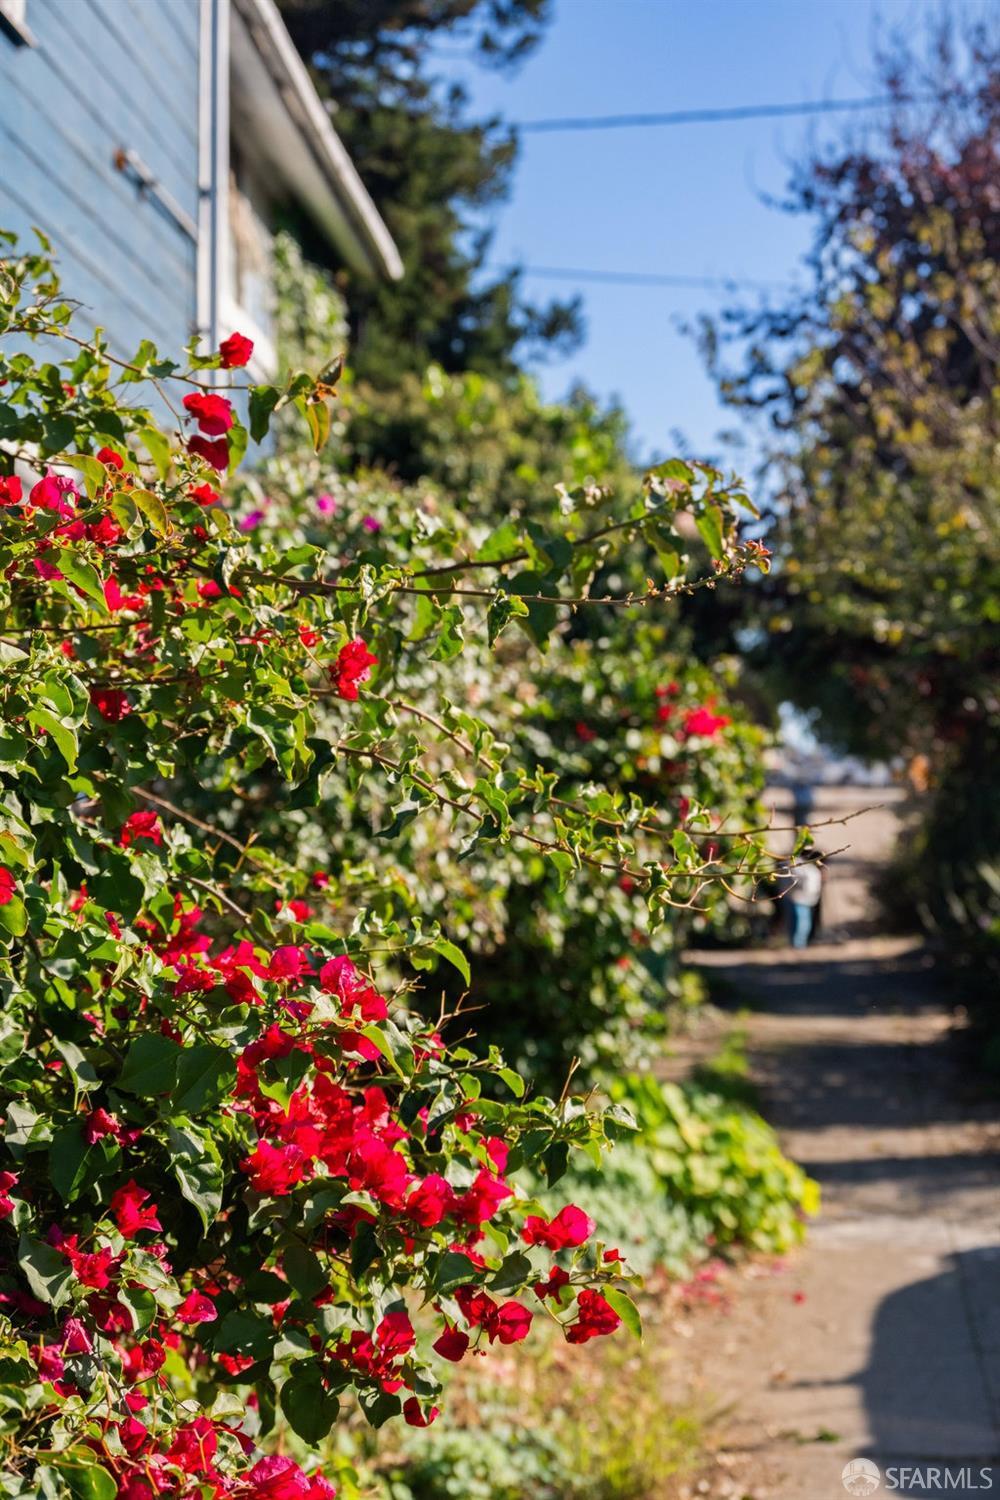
504 541
555 1161
197 1166
153 508
141 1305
317 415
238 437
378 1039
453 1269
84 575
455 957
709 525
513 1273
87 1478
158 448
150 1066
450 639
540 619
263 400
303 1269
116 886
205 1073
68 1160
311 1410
14 917
503 608
514 1081
379 1406
48 1273
245 1333
93 471
63 735
85 1075
626 1310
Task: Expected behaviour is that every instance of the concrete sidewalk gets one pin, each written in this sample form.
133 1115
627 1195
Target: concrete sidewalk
882 1338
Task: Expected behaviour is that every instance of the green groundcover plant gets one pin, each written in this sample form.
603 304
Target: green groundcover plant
241 1172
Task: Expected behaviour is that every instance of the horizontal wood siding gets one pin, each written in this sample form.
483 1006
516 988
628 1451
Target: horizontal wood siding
107 74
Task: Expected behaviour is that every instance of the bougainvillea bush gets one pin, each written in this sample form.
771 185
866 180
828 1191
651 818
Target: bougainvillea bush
566 970
241 1173
565 967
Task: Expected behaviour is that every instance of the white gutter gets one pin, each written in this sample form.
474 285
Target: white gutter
300 99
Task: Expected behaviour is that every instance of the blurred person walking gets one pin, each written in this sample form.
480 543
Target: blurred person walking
802 892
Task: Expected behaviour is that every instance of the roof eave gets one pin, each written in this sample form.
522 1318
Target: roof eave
349 214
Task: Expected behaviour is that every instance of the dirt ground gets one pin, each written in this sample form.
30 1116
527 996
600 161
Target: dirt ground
881 1338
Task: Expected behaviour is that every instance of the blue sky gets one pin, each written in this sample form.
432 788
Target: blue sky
681 200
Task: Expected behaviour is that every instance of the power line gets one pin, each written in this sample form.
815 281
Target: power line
716 115
646 278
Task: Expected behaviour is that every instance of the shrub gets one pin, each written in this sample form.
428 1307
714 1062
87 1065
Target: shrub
236 1157
702 1174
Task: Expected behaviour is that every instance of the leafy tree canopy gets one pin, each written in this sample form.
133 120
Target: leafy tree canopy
432 172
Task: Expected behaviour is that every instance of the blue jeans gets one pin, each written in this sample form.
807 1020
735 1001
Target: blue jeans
800 921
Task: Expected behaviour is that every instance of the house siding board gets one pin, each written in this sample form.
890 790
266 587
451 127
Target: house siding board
107 73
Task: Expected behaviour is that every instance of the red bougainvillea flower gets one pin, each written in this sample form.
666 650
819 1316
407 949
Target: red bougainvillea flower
482 1199
570 1227
353 665
75 1338
215 453
279 1478
196 1308
512 1324
127 1205
204 494
557 1279
11 491
338 976
414 1414
235 351
8 885
110 459
54 493
49 1362
194 1446
498 1152
595 1317
99 1123
214 414
116 600
91 1268
395 1336
452 1344
134 1435
141 825
430 1201
288 963
274 1169
111 704
8 1180
704 722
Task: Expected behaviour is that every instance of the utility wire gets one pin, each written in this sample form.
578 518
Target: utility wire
645 278
718 114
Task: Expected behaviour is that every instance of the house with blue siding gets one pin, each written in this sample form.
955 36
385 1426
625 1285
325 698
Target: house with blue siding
155 143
